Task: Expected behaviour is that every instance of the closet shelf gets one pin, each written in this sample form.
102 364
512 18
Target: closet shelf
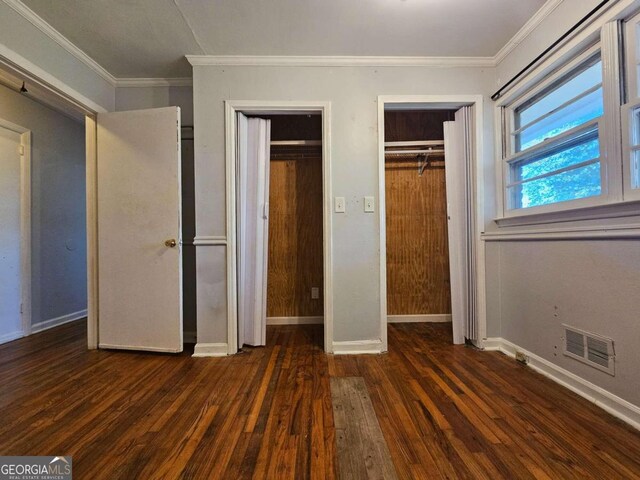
430 148
296 149
294 143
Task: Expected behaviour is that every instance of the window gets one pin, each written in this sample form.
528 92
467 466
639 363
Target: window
634 147
570 130
555 139
631 112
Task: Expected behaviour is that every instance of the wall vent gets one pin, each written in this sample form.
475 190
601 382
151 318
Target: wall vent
594 350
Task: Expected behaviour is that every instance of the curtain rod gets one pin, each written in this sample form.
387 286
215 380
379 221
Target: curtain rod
498 94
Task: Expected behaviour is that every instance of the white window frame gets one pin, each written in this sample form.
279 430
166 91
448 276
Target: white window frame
606 40
630 135
510 141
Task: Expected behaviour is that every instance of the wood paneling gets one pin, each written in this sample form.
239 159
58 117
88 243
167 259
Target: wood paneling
402 126
445 411
295 127
416 219
295 238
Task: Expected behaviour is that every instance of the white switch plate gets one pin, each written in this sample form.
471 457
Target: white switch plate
369 204
340 205
315 293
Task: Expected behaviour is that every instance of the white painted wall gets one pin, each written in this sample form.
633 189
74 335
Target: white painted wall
534 286
20 36
135 98
566 14
353 92
10 244
589 284
58 206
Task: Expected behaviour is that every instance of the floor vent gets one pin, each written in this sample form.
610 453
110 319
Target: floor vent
589 348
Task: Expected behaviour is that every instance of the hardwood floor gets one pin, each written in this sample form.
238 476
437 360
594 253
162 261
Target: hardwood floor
444 411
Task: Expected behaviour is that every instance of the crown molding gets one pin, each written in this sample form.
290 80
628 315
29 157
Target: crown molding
38 22
285 61
154 82
338 61
543 12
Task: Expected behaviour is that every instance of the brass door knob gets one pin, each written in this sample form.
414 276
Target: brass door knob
170 243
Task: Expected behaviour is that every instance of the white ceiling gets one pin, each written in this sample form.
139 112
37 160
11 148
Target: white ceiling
149 38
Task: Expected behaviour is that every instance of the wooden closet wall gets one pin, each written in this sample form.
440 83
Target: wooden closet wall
295 222
416 218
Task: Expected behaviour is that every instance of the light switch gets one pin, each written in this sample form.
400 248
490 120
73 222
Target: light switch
339 205
315 293
369 204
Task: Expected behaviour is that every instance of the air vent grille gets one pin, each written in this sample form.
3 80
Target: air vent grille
598 352
594 350
575 343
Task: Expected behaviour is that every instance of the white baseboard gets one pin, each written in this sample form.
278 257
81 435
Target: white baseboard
616 406
189 336
54 322
357 347
137 348
295 320
8 337
431 318
211 350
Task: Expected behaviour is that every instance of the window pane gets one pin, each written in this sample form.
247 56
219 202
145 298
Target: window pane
573 115
571 185
634 141
635 169
635 127
585 80
587 149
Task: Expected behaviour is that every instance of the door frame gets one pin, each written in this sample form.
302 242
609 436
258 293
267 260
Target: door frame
448 102
47 89
232 107
25 222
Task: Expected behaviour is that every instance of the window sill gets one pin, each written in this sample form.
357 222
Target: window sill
627 208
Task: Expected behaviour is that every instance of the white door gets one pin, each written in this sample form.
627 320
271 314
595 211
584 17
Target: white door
139 230
10 282
458 145
252 167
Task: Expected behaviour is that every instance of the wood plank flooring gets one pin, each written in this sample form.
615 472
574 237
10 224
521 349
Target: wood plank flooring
361 447
445 411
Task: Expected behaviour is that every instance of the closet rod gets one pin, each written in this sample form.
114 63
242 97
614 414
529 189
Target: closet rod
415 144
308 143
414 152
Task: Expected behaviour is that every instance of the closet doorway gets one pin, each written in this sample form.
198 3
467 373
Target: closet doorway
281 220
429 221
418 277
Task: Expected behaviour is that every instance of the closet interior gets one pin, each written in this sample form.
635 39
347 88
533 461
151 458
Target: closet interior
418 276
295 264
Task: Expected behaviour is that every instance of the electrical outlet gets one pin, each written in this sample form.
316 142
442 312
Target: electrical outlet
369 204
521 357
315 293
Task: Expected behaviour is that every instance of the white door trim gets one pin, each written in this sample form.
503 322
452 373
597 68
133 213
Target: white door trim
25 223
91 162
14 62
266 107
439 102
